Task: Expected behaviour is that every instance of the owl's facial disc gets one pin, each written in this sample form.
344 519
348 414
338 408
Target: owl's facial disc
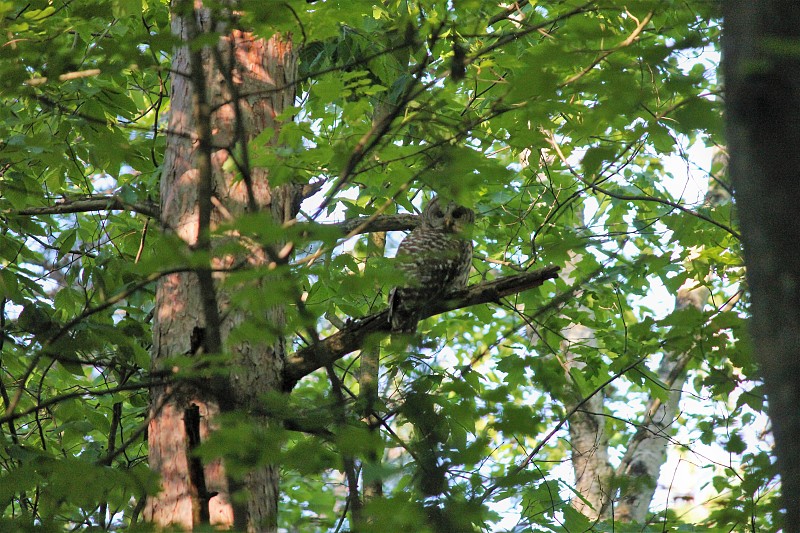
456 219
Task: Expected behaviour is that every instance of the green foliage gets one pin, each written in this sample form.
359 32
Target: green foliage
557 132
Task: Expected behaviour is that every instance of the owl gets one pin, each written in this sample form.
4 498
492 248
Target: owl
435 259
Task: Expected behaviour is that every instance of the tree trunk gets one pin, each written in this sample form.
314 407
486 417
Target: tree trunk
762 77
587 434
628 498
368 381
646 453
258 74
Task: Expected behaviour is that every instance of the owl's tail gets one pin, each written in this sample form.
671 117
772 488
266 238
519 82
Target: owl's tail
402 318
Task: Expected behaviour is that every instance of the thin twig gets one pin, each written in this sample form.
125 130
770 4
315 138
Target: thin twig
633 37
88 204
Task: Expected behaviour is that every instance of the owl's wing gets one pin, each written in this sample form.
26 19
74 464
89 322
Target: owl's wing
411 262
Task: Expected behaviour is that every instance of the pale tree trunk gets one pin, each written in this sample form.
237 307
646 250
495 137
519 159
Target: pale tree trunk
368 379
647 452
369 374
762 77
384 109
587 435
586 424
588 442
624 494
259 75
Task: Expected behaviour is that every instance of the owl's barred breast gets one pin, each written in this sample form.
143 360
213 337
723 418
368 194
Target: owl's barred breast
435 262
435 257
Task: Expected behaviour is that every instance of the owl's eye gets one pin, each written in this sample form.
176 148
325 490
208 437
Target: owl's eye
459 212
438 213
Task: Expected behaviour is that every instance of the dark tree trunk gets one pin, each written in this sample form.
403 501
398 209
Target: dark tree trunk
761 65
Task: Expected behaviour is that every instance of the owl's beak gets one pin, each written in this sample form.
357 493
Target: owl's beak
449 223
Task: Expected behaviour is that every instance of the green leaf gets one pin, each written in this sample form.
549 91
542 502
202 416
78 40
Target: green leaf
595 158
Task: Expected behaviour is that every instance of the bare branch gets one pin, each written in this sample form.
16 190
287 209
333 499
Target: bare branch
512 9
12 405
357 226
327 351
635 198
81 393
65 77
401 222
88 204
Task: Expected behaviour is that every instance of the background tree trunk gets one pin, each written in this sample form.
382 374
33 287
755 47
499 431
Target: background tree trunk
626 493
259 76
588 438
369 384
762 76
647 452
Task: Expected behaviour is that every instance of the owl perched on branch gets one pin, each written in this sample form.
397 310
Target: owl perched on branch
435 259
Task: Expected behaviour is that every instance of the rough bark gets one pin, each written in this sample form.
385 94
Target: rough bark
588 438
762 75
261 70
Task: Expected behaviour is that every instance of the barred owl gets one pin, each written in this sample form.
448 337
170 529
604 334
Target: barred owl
435 258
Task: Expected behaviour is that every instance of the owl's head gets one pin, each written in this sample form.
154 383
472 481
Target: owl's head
450 217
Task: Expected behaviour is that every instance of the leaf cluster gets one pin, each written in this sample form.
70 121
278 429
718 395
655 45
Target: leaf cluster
553 121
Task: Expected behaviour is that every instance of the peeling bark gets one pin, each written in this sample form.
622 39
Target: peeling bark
589 444
588 438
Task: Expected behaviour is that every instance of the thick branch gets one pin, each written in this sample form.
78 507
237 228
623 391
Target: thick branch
351 338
